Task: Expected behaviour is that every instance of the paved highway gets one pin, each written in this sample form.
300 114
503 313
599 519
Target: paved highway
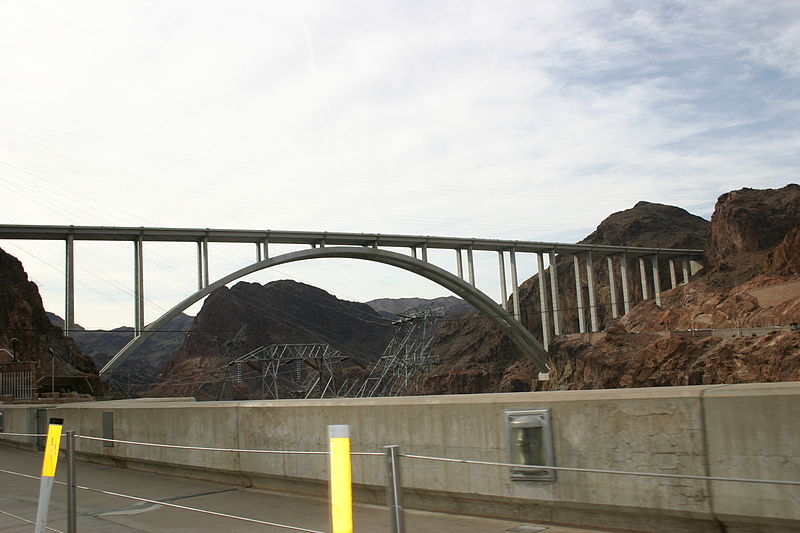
104 513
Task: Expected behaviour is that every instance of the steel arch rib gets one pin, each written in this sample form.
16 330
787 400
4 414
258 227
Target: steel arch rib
520 336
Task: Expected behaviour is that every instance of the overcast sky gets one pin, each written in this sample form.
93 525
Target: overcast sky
525 120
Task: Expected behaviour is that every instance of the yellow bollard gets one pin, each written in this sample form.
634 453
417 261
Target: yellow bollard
341 479
48 471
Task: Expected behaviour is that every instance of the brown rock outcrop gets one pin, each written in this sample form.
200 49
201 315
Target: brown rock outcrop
745 226
22 317
750 290
280 312
784 259
649 359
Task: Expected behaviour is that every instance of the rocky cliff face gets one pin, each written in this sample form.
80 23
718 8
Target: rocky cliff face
280 312
746 225
751 281
22 317
731 325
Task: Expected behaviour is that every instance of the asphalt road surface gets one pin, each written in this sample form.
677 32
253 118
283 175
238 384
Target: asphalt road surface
105 513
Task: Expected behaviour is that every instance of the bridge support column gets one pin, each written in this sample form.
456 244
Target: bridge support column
503 287
543 300
424 249
656 281
612 286
265 244
459 264
592 292
138 287
579 294
626 289
514 285
643 275
414 252
685 268
69 285
258 252
673 278
202 263
471 266
554 294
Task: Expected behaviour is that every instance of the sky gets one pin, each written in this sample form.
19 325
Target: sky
530 120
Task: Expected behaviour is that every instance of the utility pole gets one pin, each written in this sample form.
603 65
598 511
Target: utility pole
52 370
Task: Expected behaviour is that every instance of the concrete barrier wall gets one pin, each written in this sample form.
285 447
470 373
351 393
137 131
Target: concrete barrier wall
731 431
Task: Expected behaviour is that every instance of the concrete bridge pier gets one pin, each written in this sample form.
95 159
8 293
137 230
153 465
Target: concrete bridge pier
69 284
554 294
202 263
503 289
612 283
656 281
579 294
514 285
138 287
673 279
626 288
592 292
643 276
543 300
471 266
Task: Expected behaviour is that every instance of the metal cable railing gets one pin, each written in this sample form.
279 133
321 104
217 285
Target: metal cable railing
202 448
432 458
28 521
393 487
216 449
163 503
598 470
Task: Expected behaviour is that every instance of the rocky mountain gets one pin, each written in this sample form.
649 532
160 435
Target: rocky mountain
392 308
139 371
233 321
750 281
22 317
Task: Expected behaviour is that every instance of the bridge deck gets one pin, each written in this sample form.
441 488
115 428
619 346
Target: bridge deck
111 233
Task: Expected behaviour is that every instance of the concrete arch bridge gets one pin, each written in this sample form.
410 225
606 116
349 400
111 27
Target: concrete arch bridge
682 263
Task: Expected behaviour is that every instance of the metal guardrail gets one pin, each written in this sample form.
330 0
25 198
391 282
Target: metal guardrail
602 471
157 502
394 484
22 519
72 486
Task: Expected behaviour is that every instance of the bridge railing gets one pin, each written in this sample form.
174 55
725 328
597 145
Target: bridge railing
395 462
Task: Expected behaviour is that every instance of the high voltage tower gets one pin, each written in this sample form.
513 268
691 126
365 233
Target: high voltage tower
316 370
406 357
293 370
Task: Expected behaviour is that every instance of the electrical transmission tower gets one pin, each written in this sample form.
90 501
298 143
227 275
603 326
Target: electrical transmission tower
406 357
294 370
217 375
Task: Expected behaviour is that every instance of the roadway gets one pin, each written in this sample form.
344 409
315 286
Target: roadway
104 513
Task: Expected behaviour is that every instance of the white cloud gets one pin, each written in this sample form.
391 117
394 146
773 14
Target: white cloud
529 120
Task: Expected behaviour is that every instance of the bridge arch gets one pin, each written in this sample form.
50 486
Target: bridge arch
520 336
